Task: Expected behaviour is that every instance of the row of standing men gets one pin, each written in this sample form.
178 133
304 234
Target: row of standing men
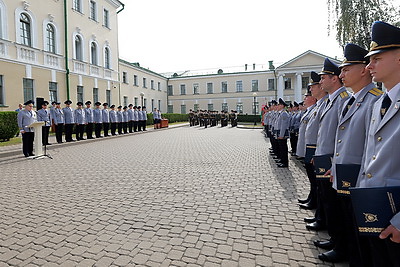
347 142
212 118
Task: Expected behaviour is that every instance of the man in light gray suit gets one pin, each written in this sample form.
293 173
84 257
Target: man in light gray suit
26 117
69 120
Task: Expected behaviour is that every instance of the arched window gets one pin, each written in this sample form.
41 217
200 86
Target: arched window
25 27
78 48
50 39
93 53
107 64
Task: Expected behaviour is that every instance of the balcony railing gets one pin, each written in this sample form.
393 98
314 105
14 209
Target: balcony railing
79 67
26 54
52 60
94 70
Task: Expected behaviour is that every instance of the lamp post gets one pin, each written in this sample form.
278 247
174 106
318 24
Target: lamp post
254 108
141 96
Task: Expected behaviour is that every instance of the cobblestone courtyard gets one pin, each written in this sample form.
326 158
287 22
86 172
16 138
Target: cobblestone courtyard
175 197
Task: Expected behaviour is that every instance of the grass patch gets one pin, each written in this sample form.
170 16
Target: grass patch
12 141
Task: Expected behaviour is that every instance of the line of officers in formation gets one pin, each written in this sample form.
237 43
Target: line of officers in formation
120 120
341 135
212 118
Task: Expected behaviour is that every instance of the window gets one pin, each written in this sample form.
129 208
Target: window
152 104
239 86
254 85
210 106
196 107
50 39
53 91
79 93
271 84
195 88
135 80
224 87
183 109
108 97
93 53
93 10
77 5
25 27
183 89
2 102
170 90
106 22
170 109
78 48
152 84
136 101
304 82
159 104
288 83
28 89
210 89
125 101
239 107
124 77
107 61
95 95
224 107
159 86
144 83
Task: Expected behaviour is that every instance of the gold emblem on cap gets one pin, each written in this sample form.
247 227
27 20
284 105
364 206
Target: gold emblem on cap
373 45
321 170
346 184
369 217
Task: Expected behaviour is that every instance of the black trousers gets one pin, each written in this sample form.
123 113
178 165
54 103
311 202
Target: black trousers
293 141
125 127
329 201
119 126
283 151
97 129
384 252
79 130
45 135
68 132
313 183
59 132
130 126
27 143
106 127
144 124
113 128
135 126
89 130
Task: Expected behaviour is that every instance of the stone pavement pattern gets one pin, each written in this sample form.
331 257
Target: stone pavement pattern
177 197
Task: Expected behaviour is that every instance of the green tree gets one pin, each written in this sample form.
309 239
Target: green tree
352 19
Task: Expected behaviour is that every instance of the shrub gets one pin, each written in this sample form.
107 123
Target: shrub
8 125
249 118
175 117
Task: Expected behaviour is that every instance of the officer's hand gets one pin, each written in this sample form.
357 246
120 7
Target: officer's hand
280 137
312 161
391 231
330 176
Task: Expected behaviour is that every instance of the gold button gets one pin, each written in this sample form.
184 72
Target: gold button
342 128
339 141
373 157
379 138
337 154
369 175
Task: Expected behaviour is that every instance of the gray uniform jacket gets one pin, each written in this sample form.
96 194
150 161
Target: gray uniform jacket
26 118
296 120
89 115
69 115
130 114
44 115
329 121
97 115
113 116
283 124
125 116
352 129
301 143
79 114
59 116
106 115
380 167
312 127
120 116
136 115
52 113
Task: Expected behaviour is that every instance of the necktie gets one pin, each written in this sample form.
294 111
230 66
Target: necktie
347 107
385 105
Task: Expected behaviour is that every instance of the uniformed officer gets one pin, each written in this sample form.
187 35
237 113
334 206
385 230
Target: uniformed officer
80 121
69 120
309 104
283 134
380 166
89 120
295 125
191 116
135 119
52 115
106 119
120 119
144 117
155 119
26 117
113 119
332 84
59 122
130 118
125 119
44 115
97 119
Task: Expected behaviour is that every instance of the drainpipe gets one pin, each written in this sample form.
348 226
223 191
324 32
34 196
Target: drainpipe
123 7
66 47
119 78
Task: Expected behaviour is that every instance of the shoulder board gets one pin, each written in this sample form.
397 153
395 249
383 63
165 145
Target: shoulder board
344 94
375 92
326 99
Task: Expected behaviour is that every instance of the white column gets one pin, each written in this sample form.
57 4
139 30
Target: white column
297 89
281 86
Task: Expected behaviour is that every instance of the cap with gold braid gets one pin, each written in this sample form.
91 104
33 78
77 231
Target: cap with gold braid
354 54
330 68
315 78
384 37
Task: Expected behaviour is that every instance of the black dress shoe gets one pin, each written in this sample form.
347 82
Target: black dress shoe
31 154
303 201
299 158
310 219
325 244
281 165
332 256
315 226
307 206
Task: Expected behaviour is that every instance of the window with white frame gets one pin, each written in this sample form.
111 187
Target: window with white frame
159 86
254 85
170 91
135 80
53 91
106 18
152 104
144 83
224 87
136 101
195 88
170 109
124 77
79 93
108 96
239 107
239 86
50 39
210 106
183 89
271 84
93 10
107 60
152 84
210 88
125 100
78 48
304 82
196 107
288 83
28 89
93 53
25 29
95 95
77 5
159 104
224 107
183 109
